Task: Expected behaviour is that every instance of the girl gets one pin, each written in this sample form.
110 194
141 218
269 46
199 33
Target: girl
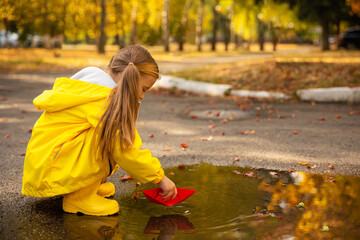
87 131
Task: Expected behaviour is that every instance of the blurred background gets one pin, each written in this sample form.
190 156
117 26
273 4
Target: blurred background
234 23
52 35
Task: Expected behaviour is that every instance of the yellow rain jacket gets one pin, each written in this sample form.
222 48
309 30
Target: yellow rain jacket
59 157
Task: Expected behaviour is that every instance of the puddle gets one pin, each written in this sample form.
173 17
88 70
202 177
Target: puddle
233 206
227 205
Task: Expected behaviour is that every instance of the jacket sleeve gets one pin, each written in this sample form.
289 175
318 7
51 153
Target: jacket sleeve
139 163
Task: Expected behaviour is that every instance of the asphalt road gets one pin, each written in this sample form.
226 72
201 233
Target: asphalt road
260 137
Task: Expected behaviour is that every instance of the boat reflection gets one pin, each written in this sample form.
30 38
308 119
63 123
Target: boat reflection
167 226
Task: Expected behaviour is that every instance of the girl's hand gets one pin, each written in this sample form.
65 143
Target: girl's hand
168 188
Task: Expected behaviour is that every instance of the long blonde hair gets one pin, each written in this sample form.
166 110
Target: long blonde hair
121 109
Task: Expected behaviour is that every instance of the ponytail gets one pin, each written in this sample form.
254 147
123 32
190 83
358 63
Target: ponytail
117 124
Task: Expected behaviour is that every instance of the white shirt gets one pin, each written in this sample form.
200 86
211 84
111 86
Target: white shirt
95 75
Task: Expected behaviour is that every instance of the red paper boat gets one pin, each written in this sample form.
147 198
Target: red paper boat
153 195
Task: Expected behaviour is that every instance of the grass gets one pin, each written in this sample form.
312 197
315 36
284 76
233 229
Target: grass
287 71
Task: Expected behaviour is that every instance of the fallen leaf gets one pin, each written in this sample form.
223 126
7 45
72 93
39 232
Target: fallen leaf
164 133
331 167
168 149
212 130
301 205
171 173
309 166
292 170
183 149
181 167
136 196
184 145
293 115
138 184
186 112
150 135
212 126
258 114
321 119
257 120
224 121
3 119
4 99
252 132
246 132
302 163
194 116
330 180
207 139
22 142
126 178
325 228
269 120
266 134
249 174
275 173
222 134
337 116
7 136
237 159
237 172
211 102
24 111
282 117
295 132
30 131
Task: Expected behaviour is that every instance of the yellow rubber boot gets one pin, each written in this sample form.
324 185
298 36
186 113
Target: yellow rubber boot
106 189
88 202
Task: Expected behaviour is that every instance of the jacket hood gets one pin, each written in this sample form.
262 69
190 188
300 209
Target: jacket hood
67 93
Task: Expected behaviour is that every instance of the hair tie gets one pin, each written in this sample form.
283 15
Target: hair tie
130 63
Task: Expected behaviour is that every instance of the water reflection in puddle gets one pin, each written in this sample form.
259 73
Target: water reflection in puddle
233 206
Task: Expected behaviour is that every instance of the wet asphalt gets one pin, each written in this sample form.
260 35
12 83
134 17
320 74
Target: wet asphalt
255 134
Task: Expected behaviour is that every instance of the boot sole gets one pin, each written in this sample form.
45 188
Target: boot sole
72 209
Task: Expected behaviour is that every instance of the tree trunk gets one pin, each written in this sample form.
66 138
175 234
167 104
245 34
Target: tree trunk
118 8
215 26
261 34
199 23
227 32
184 23
165 25
325 33
133 32
274 35
47 26
337 33
7 43
102 40
63 19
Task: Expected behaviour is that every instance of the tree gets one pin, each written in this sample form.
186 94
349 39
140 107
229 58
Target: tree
355 6
165 25
215 11
102 38
199 23
323 12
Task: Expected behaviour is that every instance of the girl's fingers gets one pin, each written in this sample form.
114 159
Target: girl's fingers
175 194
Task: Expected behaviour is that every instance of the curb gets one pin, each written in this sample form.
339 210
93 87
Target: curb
336 94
